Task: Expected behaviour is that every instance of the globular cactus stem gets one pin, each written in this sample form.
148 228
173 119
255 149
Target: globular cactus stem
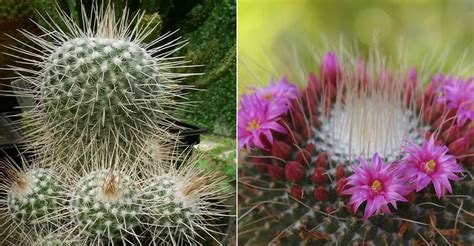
100 86
300 182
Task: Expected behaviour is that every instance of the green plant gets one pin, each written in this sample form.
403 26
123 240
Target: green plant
105 204
99 87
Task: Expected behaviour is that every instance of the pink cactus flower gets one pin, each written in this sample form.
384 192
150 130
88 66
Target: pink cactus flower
257 120
458 94
378 184
430 163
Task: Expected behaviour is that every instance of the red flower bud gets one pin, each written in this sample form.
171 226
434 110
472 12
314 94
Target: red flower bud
314 84
319 175
330 68
322 160
294 171
294 138
261 163
321 194
281 150
311 148
296 192
307 132
299 120
341 185
276 173
340 172
459 147
303 157
450 134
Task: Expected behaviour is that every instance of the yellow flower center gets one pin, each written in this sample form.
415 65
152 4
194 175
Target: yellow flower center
430 166
254 124
268 96
376 186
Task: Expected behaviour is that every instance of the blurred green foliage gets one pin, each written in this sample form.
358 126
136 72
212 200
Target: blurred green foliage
210 29
420 28
221 158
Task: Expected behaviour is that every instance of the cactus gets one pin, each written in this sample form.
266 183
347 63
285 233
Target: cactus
105 204
297 178
185 204
99 87
34 195
102 118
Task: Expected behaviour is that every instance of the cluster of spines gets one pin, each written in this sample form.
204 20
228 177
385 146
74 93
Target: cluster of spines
106 204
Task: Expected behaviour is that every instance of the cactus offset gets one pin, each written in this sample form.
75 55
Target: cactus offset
105 204
295 178
184 204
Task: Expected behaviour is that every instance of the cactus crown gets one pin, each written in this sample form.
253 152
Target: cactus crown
301 182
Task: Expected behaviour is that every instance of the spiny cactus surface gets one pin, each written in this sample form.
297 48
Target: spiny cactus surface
322 165
98 86
35 196
105 204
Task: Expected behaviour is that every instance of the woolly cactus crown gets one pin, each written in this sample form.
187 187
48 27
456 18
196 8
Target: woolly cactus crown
362 153
99 86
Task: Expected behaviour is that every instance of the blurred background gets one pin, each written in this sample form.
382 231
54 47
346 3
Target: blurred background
439 28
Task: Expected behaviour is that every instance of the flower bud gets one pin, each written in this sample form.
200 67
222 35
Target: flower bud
340 172
330 68
276 173
294 171
303 157
261 164
341 185
296 192
459 147
281 150
299 120
314 84
319 175
311 148
322 160
450 134
294 138
321 194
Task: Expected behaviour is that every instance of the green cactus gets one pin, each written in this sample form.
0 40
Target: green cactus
100 86
105 204
35 196
184 205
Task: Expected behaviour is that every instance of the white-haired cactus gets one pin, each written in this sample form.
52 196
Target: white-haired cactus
105 204
31 198
34 196
100 86
54 239
185 205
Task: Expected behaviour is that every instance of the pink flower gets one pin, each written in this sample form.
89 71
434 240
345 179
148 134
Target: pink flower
430 164
458 94
378 184
280 93
257 120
